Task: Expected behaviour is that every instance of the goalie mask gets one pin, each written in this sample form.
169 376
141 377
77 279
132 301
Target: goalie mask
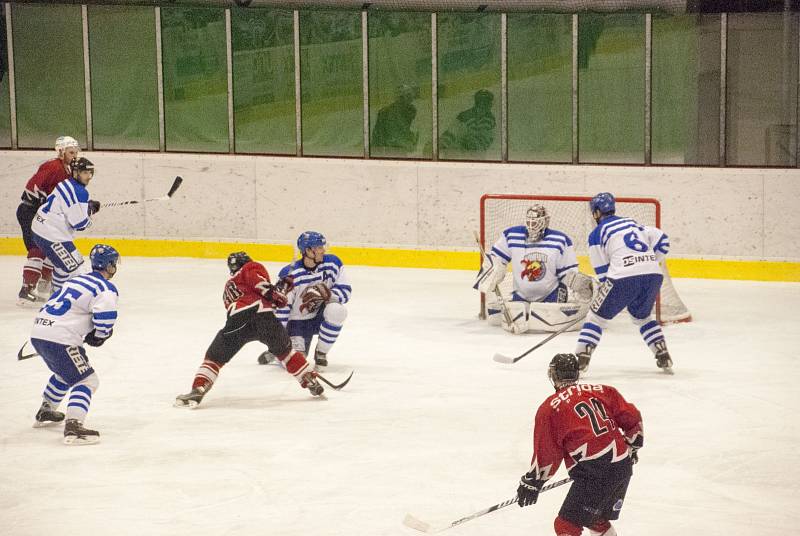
536 220
563 370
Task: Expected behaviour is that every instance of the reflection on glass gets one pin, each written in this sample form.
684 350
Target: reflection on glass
122 54
332 83
5 111
55 106
469 85
611 88
540 87
263 80
761 122
195 79
400 84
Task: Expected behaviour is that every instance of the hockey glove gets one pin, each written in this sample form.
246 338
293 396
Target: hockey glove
528 490
93 340
94 207
285 284
277 298
314 297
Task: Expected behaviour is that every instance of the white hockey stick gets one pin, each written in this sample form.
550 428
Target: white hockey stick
500 358
417 524
174 188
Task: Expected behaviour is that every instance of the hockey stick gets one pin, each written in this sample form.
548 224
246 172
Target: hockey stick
506 313
500 358
333 385
422 526
21 356
174 188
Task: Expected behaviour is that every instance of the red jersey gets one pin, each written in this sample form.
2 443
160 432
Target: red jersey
580 423
246 289
44 181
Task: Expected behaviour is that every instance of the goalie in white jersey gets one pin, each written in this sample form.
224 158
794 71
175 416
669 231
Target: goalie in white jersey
317 300
83 311
548 290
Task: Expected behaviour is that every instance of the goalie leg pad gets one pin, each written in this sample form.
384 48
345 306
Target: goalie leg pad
518 311
550 317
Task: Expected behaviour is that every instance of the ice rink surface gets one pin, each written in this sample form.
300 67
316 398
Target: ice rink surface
428 425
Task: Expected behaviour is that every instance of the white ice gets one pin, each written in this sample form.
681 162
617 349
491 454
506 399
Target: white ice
429 424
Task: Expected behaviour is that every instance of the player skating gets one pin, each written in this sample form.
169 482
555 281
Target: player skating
544 269
626 257
67 210
317 302
83 311
38 269
597 433
250 299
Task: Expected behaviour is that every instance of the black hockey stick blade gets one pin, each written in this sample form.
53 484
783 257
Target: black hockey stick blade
175 186
500 358
21 356
333 385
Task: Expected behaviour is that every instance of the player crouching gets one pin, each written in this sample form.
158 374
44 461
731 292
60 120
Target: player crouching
250 299
548 290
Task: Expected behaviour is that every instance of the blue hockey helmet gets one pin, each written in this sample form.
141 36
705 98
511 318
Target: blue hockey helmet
603 202
310 239
104 257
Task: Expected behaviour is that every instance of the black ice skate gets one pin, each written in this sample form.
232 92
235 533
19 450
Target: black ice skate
266 358
309 381
191 399
26 295
320 359
585 357
663 360
76 434
47 415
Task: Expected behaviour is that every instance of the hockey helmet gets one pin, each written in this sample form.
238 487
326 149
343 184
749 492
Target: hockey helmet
81 164
310 239
563 370
536 220
104 258
237 260
603 202
64 142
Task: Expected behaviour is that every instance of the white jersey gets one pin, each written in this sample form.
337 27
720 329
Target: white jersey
539 266
65 212
620 247
330 272
85 303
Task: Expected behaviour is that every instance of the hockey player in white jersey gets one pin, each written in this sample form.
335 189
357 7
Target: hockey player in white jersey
548 289
626 257
317 301
83 311
67 210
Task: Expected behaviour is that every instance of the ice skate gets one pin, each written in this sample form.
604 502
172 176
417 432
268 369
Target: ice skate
584 357
26 296
309 381
44 288
47 415
266 358
76 434
320 359
191 399
663 359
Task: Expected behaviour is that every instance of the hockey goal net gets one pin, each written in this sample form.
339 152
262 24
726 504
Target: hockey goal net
570 214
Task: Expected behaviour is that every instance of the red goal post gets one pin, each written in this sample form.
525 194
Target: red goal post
570 214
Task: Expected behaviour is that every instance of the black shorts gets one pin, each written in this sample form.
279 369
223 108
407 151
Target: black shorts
25 215
248 326
592 498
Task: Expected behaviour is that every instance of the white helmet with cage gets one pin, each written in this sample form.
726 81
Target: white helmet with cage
536 220
65 142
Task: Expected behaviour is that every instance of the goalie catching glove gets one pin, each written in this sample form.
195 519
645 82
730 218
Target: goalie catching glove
580 285
314 297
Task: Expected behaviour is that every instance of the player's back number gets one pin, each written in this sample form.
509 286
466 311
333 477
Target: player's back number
632 241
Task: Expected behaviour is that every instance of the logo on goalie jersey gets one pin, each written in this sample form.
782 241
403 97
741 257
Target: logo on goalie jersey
534 267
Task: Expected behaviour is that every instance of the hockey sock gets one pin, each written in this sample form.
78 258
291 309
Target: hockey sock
80 397
602 528
294 362
32 270
47 270
206 374
327 336
565 528
590 334
651 332
59 278
54 391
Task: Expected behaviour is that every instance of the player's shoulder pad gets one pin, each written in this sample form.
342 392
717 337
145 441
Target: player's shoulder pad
553 232
103 283
80 191
516 229
331 259
286 270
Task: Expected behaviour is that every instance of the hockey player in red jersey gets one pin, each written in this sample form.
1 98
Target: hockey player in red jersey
250 299
36 191
596 432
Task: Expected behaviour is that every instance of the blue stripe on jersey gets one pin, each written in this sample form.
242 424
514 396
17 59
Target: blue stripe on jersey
552 233
104 283
601 269
65 194
612 226
332 259
619 230
501 254
565 268
105 315
81 225
549 246
662 246
81 282
69 185
517 230
103 325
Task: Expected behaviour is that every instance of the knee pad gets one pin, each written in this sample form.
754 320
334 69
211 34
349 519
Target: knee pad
92 381
335 313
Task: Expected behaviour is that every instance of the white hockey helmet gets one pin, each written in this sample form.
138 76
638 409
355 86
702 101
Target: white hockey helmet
536 220
64 142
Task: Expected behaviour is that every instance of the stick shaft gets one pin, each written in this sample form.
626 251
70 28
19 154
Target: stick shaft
548 339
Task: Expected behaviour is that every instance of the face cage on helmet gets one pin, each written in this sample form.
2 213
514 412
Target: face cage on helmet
558 383
536 226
